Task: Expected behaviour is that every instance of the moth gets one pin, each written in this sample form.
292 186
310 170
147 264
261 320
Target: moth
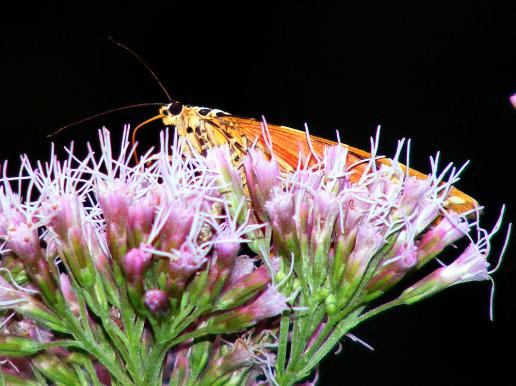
205 128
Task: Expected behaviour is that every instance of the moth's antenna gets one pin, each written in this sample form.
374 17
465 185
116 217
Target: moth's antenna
145 64
101 114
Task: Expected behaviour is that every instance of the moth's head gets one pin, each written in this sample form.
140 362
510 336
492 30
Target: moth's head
171 114
186 121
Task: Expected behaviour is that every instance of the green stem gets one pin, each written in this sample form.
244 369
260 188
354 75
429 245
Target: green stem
304 328
132 332
91 346
155 360
80 375
379 309
62 343
283 342
323 334
158 352
136 348
190 335
92 373
340 330
355 297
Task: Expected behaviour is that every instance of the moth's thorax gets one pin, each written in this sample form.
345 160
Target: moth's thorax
199 125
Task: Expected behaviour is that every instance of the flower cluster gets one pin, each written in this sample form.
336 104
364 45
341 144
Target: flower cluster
188 269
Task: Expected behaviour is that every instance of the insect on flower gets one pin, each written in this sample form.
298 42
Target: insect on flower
206 128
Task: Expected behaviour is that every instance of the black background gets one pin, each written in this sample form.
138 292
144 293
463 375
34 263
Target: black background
439 75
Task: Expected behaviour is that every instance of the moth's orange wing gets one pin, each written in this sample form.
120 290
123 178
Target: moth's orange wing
289 143
456 200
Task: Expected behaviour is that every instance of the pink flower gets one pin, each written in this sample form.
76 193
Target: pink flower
243 288
179 220
512 99
451 228
239 356
115 199
23 239
141 216
64 215
262 176
471 265
414 190
185 261
369 241
269 303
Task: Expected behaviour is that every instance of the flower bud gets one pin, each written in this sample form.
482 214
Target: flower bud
115 200
392 269
268 304
55 370
157 302
104 266
239 357
64 214
135 263
324 214
369 240
66 221
281 210
451 228
243 266
13 346
353 210
243 289
141 216
69 295
24 241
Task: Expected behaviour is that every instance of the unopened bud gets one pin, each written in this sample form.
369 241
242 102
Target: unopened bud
157 302
13 346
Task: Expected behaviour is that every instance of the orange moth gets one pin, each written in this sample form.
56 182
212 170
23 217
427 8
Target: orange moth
205 128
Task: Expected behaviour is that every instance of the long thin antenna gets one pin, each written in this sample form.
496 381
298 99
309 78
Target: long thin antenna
145 64
103 113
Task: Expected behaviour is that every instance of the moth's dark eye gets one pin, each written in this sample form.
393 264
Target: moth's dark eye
204 111
175 108
189 130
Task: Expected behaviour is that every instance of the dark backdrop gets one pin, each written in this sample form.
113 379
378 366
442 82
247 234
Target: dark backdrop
439 75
